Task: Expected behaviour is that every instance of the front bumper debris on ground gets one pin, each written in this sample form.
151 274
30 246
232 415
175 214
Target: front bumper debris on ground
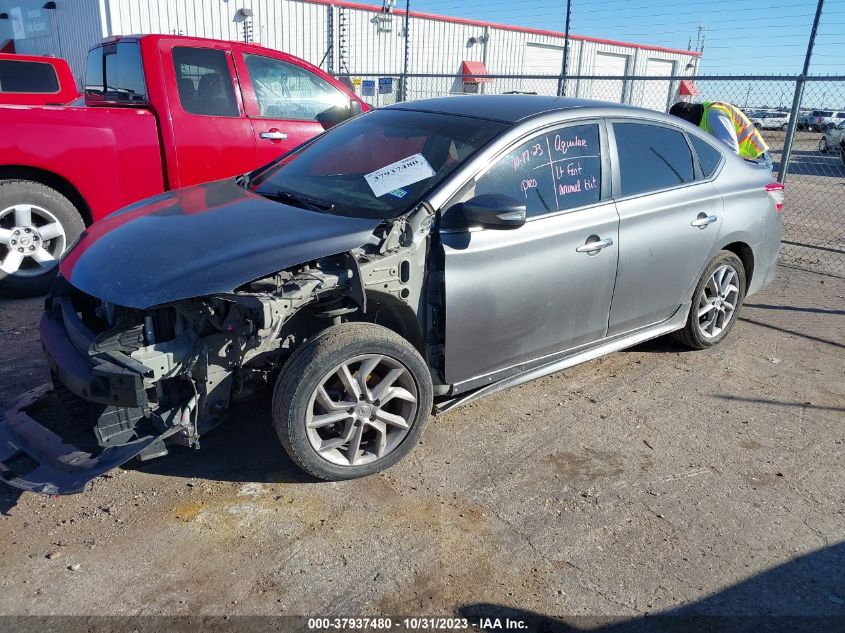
35 459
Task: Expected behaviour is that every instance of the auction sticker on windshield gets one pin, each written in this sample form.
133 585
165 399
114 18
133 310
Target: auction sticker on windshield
399 174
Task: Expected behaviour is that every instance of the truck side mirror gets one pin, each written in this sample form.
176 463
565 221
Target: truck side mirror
337 114
490 211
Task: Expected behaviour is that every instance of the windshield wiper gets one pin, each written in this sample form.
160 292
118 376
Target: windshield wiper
300 201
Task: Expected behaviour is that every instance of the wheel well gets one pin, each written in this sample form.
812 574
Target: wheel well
49 179
387 311
746 256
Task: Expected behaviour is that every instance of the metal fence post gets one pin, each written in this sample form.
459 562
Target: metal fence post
561 82
403 93
796 100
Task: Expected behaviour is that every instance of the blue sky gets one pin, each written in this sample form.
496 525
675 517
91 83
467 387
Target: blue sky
742 36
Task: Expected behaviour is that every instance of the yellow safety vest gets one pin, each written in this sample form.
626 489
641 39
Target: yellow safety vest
751 143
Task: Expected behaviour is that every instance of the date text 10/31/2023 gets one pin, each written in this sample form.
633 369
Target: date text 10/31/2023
564 164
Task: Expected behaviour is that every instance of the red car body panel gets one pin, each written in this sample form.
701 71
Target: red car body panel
66 93
113 155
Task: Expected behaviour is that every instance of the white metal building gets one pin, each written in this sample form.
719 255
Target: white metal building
351 38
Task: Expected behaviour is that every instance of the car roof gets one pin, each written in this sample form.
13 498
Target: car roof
513 108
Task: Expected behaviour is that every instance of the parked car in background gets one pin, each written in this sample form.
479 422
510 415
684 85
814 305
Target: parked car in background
422 255
160 112
831 141
771 120
34 80
821 120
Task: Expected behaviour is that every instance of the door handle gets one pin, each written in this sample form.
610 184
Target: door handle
273 135
703 221
595 246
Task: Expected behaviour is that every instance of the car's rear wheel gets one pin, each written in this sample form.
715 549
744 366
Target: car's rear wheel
784 127
823 145
37 226
352 401
715 302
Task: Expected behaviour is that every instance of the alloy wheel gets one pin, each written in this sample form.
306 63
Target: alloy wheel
717 301
361 410
823 144
31 240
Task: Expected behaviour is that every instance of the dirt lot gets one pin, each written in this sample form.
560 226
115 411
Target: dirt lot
652 481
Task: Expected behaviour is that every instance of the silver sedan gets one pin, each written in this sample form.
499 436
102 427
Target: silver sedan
406 261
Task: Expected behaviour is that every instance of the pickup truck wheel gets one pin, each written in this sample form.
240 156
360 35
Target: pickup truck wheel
37 226
352 401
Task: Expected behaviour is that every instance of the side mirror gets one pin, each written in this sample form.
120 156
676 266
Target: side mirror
337 114
491 211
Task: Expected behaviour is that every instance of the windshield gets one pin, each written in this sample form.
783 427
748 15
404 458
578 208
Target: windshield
378 165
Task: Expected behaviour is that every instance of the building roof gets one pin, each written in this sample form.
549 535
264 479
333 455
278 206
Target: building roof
507 27
506 108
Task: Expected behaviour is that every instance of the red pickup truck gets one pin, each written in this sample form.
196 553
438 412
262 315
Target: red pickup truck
161 112
34 80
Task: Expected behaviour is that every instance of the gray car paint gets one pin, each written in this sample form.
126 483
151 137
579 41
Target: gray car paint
747 215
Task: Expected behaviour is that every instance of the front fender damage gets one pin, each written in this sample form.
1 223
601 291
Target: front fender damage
146 379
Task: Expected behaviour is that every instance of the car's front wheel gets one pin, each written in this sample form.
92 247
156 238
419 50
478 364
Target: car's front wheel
823 145
351 401
37 225
715 302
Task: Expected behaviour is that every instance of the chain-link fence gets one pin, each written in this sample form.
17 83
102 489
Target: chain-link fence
814 233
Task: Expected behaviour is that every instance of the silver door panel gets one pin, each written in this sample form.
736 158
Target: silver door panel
665 241
513 296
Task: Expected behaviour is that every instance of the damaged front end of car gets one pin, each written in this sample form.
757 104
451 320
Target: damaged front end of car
129 382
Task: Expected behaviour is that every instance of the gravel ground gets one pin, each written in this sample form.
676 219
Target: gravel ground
651 481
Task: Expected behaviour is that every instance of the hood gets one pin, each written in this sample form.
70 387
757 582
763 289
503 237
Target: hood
199 241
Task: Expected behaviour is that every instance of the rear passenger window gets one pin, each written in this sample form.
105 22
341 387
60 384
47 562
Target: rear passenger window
708 156
204 81
651 158
555 171
114 73
34 77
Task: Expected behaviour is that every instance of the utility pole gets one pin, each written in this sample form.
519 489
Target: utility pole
403 94
561 82
799 93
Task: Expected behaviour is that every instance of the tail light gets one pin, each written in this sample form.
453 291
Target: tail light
775 191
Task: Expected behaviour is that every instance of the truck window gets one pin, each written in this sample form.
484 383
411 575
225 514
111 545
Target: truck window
204 81
288 91
30 77
114 73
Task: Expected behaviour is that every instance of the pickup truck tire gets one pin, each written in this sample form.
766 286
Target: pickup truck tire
353 385
37 226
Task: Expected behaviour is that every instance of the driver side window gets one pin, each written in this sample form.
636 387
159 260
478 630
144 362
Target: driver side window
558 170
287 91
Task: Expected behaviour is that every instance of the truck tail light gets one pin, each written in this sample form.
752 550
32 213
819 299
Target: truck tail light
775 191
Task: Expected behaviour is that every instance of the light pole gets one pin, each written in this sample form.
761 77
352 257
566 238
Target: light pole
561 82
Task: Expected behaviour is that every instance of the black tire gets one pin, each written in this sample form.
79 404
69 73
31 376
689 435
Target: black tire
13 192
691 335
309 366
823 148
784 127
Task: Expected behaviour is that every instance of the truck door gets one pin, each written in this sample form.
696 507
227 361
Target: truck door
209 136
284 101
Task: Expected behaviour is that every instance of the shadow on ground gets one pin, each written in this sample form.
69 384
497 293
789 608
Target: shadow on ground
244 448
804 595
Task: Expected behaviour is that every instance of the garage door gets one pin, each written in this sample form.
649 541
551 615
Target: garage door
611 65
541 60
655 94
